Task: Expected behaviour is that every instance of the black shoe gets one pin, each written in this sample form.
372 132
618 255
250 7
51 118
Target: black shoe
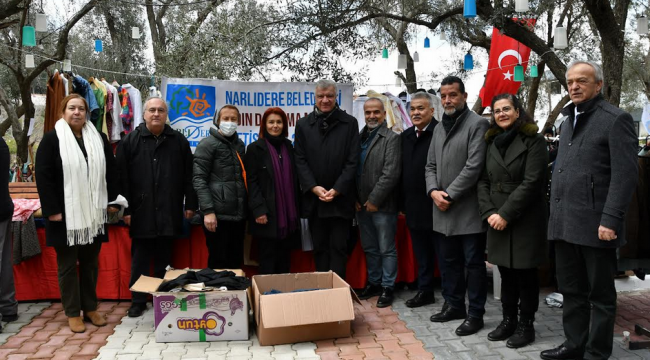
136 309
371 290
505 329
470 326
524 335
420 299
9 318
560 353
448 314
386 298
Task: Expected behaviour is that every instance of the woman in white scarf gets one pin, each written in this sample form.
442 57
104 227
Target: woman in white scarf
77 176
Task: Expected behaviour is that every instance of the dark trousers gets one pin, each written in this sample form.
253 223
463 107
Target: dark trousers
226 245
425 249
8 303
78 291
519 290
463 271
143 251
274 255
586 280
330 237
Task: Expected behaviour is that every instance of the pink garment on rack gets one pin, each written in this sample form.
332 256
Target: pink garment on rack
24 208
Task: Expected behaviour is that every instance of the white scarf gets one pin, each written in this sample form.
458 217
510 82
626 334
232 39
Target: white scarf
84 184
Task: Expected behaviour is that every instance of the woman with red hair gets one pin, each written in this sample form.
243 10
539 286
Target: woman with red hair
273 192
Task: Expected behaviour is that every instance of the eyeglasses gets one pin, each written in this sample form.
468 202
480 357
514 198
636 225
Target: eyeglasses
505 109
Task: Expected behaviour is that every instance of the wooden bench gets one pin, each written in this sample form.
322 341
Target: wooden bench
23 190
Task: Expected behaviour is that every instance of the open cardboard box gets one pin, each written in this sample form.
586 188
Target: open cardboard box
292 317
196 316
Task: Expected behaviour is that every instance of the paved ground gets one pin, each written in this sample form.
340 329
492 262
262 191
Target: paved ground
41 332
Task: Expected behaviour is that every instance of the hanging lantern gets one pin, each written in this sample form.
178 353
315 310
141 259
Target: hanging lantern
67 65
443 36
29 36
427 42
29 61
533 71
384 53
401 61
468 63
398 81
416 57
519 73
521 5
99 47
642 25
41 22
469 10
560 41
135 32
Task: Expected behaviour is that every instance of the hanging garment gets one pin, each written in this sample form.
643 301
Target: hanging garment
126 114
54 95
100 94
115 111
82 87
25 242
136 101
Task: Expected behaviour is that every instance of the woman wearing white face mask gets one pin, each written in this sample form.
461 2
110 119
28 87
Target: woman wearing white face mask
220 183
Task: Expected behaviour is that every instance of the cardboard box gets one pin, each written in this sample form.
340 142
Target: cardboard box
291 317
196 316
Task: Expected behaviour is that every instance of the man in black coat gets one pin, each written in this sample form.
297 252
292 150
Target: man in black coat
155 165
8 303
594 177
327 154
417 205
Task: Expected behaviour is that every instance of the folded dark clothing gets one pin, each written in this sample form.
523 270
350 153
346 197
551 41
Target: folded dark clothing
276 291
210 278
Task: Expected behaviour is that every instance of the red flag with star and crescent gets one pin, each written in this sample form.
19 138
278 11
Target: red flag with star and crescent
505 54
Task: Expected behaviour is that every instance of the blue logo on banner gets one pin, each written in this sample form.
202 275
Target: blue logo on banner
191 108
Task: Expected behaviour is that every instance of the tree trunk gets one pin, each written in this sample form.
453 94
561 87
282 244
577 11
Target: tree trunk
533 93
22 140
556 111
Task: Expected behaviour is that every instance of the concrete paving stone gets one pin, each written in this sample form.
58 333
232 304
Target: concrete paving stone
473 339
306 358
154 346
456 345
367 342
240 342
305 353
105 354
127 356
215 356
346 340
391 346
197 345
421 330
446 334
510 354
242 357
304 345
285 356
194 357
239 351
4 336
132 348
279 349
431 341
441 353
218 346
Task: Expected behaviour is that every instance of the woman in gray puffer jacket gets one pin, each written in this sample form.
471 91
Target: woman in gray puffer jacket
220 183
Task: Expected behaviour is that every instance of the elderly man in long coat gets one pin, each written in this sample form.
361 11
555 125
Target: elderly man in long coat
594 177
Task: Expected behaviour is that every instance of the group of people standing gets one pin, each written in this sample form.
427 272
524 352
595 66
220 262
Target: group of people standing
464 183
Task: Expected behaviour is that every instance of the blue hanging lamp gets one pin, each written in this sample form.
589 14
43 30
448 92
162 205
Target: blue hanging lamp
427 42
519 73
99 47
469 10
29 36
468 64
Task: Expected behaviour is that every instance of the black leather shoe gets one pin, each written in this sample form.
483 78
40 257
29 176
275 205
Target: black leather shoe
524 335
560 353
448 314
386 298
136 309
371 290
420 299
9 318
505 329
470 326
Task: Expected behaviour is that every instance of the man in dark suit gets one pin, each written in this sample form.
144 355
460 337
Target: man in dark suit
417 205
594 177
327 154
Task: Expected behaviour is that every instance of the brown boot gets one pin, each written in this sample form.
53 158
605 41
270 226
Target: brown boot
76 324
95 318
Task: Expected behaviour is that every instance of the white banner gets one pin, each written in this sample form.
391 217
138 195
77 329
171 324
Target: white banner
193 103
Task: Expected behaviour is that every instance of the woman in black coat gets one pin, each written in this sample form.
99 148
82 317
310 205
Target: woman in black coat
273 192
77 177
511 198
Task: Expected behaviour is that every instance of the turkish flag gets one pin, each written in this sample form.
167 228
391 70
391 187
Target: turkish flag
505 53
